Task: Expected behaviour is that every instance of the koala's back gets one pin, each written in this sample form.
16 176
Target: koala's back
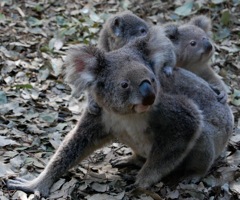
218 118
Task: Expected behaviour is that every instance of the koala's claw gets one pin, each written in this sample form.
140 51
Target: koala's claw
16 181
119 162
222 97
27 186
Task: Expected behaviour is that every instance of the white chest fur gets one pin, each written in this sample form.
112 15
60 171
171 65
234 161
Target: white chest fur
131 130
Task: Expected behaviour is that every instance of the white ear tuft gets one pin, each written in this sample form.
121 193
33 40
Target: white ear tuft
81 67
202 22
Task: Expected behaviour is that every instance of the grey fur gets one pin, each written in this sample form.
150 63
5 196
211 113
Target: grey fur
195 58
125 27
120 29
184 125
117 31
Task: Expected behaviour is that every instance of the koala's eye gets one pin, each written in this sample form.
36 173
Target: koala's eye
143 31
124 85
152 80
193 43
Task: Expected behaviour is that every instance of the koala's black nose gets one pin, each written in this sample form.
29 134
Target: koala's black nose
147 92
207 45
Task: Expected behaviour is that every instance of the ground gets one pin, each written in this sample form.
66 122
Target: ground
37 109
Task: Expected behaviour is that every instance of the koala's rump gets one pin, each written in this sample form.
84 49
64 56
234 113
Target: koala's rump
218 118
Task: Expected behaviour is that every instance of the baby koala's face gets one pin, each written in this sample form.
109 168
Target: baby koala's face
193 46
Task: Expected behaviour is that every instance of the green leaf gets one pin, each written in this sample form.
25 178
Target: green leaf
2 17
226 16
34 21
56 43
222 33
5 141
49 117
61 21
70 31
94 17
43 73
39 8
24 86
3 98
185 9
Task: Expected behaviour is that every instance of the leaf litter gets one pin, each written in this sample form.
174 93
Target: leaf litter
37 109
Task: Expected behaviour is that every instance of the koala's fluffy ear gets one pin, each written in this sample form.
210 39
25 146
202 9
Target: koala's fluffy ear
202 22
117 26
171 31
82 65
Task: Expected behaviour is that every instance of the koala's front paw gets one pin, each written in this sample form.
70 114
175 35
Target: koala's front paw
120 162
28 186
134 160
93 108
167 70
131 187
222 97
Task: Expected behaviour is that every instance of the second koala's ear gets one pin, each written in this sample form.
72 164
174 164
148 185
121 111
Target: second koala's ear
117 26
202 22
171 31
82 66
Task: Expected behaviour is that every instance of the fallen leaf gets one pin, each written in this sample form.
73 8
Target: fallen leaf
185 9
5 141
99 187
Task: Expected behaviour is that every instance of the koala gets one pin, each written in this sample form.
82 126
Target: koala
130 99
167 121
215 133
124 27
117 31
120 29
194 49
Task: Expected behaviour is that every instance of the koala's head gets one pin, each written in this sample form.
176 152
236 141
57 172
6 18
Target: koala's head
192 41
119 81
120 29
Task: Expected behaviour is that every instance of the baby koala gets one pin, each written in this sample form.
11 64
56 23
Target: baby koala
119 29
194 49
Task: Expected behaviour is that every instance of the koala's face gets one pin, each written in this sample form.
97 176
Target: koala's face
118 81
125 27
192 42
192 45
133 26
125 85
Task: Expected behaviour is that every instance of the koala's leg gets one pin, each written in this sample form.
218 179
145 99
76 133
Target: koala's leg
199 160
87 136
134 160
157 166
176 125
220 94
